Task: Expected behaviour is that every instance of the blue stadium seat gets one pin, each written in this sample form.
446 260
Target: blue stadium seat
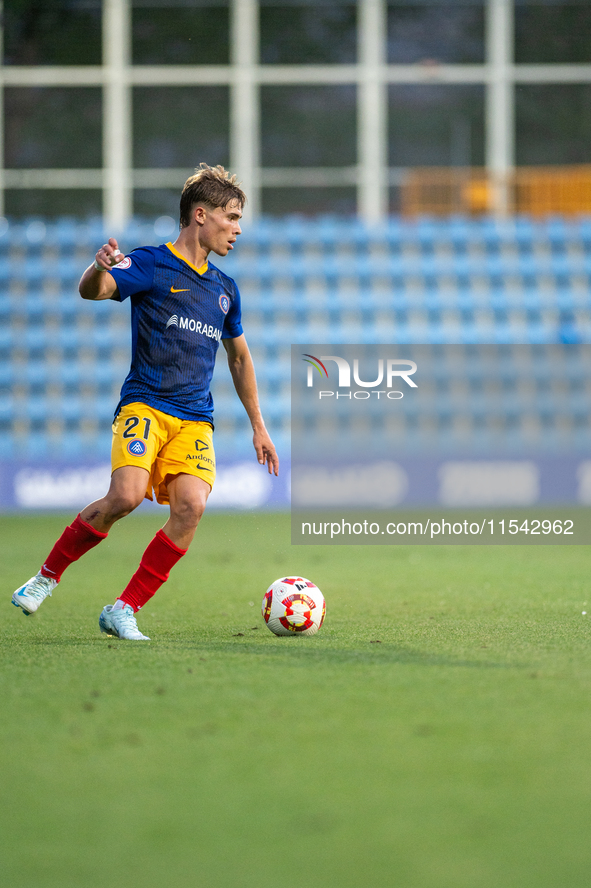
329 280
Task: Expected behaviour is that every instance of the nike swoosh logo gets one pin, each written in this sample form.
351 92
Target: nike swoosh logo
172 290
48 570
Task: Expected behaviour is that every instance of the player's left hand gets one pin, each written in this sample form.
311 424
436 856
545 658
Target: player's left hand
265 450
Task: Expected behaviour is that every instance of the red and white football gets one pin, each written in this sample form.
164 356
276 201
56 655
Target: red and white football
293 606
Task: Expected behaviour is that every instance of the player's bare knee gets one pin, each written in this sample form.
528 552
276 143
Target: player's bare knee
189 512
121 504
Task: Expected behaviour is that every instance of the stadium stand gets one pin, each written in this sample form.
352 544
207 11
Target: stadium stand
432 280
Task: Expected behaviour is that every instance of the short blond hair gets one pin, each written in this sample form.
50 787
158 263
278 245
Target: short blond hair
212 186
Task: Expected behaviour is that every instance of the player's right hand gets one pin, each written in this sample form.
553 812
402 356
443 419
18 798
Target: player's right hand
109 254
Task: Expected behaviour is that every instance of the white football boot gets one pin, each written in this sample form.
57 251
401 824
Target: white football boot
32 595
120 622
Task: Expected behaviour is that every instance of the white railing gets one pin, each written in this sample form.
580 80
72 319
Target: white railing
245 75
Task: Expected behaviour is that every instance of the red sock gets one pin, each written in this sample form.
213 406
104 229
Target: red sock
157 561
75 541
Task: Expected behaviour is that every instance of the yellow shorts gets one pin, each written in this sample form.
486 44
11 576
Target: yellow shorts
164 445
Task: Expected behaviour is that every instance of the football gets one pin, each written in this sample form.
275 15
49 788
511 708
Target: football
293 606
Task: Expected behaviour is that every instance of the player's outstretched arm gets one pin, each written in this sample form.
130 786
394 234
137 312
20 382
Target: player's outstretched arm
96 282
244 378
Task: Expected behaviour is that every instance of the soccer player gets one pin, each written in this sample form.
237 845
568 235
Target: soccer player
181 307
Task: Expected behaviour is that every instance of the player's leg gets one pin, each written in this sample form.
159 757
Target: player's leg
138 435
188 497
126 492
182 476
89 528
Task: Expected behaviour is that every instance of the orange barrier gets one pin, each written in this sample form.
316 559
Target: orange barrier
536 191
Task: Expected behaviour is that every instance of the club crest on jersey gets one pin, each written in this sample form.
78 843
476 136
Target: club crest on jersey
125 263
224 303
136 447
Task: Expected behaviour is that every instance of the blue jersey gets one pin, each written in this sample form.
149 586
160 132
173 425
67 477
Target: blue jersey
179 313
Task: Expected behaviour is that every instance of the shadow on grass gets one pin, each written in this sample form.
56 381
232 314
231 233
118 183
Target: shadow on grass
290 651
301 651
386 653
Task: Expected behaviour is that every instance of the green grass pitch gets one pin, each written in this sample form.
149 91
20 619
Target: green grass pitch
435 734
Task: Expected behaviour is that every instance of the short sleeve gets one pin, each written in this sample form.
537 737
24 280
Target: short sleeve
135 274
233 322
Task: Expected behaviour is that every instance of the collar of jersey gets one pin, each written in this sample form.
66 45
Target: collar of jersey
201 270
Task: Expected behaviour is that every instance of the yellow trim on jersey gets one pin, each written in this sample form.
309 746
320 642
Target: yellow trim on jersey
201 270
